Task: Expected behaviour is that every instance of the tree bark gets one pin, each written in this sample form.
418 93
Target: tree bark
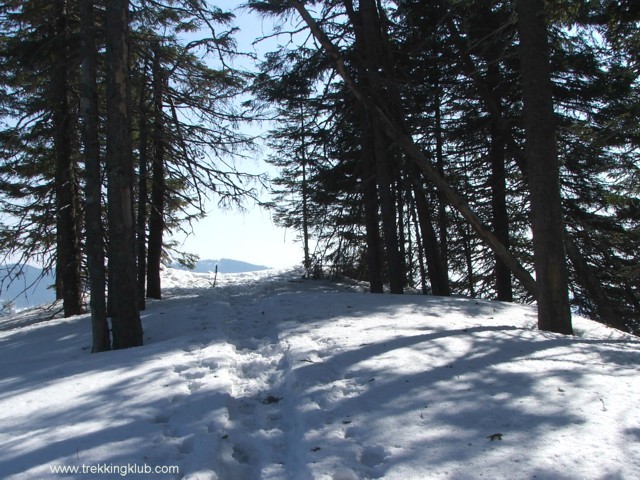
438 276
92 189
369 44
500 216
158 187
421 251
305 192
126 325
543 169
372 217
68 242
143 194
443 222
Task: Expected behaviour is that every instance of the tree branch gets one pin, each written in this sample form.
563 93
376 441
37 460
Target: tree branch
415 153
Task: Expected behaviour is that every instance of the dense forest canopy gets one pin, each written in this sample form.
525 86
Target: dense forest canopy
488 149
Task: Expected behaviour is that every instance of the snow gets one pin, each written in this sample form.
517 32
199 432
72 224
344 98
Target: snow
271 376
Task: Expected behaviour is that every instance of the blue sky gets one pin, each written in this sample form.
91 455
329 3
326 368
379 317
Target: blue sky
250 236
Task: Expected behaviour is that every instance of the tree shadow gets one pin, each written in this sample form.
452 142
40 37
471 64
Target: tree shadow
340 403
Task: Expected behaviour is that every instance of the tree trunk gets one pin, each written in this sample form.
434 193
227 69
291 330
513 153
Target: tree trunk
437 274
387 208
92 189
466 238
305 192
68 243
504 287
143 194
370 46
403 241
372 218
442 204
158 188
123 291
421 251
543 169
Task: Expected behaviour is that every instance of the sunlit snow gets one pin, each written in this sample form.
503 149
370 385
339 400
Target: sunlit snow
271 376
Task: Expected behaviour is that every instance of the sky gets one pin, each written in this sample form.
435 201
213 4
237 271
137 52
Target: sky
269 376
249 236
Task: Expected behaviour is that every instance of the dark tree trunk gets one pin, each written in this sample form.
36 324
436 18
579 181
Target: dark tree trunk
123 291
305 192
405 259
68 244
442 204
421 251
466 239
438 276
504 287
371 47
372 218
387 208
143 194
369 180
92 189
158 188
543 169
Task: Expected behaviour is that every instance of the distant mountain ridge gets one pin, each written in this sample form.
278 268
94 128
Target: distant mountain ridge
26 290
225 265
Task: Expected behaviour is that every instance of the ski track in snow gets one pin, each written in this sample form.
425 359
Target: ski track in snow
271 377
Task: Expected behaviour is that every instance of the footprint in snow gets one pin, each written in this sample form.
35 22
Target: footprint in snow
372 456
194 386
194 374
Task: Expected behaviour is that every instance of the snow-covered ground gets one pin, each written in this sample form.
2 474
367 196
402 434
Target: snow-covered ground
269 376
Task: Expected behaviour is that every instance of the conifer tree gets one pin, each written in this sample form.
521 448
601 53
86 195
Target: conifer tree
543 169
94 230
123 291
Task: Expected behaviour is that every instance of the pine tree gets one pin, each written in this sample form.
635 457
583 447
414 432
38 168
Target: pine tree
92 190
39 167
125 318
543 169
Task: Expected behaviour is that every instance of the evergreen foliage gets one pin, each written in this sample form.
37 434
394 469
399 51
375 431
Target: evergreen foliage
181 127
456 68
413 170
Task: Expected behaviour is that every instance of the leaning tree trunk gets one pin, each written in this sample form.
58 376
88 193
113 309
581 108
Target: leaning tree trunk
123 293
394 130
92 189
68 243
606 311
543 169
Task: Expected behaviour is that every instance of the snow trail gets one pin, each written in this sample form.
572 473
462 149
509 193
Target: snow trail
268 376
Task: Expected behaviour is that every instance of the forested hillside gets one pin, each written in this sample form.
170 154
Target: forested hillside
486 149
